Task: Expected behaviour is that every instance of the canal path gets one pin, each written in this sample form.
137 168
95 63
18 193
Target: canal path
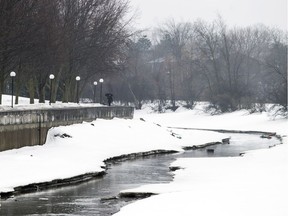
98 197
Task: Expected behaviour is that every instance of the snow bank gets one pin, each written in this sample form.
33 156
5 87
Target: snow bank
239 120
255 184
252 185
89 145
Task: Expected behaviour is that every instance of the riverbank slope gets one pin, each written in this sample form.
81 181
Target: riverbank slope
81 149
254 184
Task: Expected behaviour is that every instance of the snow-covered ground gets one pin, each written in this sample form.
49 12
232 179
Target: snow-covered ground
255 184
90 144
24 104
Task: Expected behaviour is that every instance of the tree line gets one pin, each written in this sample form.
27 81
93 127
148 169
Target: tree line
232 68
66 38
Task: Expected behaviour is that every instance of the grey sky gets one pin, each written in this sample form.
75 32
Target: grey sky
235 12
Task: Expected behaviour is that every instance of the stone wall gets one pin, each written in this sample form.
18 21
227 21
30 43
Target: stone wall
30 127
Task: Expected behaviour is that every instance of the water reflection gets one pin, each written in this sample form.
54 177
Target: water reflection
87 198
239 143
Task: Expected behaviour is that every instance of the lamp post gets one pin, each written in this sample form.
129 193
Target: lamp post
95 85
101 86
12 75
51 77
77 88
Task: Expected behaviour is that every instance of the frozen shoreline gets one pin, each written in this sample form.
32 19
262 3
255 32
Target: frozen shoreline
254 184
56 183
86 150
35 187
262 172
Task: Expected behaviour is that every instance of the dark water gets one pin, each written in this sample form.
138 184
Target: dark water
89 198
239 143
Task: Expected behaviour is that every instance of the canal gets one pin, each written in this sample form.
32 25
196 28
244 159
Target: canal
99 196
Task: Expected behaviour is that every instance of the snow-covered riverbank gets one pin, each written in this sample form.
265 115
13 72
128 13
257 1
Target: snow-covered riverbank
251 185
255 184
79 149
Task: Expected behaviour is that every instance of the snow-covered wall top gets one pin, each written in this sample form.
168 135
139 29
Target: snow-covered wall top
66 115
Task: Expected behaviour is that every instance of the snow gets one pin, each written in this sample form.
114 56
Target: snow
238 120
85 152
255 184
90 145
24 104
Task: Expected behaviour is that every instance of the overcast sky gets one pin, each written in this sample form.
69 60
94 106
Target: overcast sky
151 13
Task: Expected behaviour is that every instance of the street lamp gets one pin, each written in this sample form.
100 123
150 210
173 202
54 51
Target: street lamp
101 86
12 75
77 88
51 77
95 84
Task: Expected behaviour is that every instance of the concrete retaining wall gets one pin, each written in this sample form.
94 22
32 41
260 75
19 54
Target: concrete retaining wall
30 127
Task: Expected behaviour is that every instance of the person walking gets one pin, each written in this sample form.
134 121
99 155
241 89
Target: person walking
109 97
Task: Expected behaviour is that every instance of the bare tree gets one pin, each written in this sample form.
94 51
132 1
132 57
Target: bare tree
176 37
137 69
14 18
275 75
